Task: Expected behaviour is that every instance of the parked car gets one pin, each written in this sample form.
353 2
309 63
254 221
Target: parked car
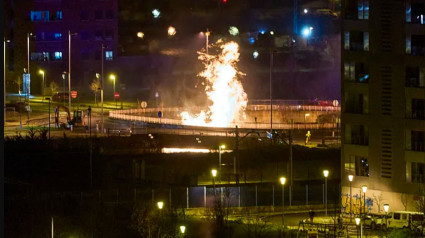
60 96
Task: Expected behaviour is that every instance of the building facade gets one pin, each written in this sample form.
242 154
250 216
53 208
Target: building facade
383 98
53 26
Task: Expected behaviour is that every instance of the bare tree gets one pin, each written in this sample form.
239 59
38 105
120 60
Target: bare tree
379 200
420 201
53 87
94 87
403 199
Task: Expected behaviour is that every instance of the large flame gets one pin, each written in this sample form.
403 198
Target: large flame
223 89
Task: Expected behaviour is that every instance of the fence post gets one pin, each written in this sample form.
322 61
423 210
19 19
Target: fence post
187 197
205 196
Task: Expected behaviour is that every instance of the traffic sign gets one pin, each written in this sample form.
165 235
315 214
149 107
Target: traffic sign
74 94
117 95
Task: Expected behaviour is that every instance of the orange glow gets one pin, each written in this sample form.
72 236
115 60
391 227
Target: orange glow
224 90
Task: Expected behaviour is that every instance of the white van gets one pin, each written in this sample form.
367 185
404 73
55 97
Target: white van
404 219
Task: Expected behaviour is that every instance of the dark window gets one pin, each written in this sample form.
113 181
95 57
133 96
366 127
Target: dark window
417 13
359 135
97 55
84 15
109 34
362 166
397 216
98 15
98 35
417 140
356 103
418 109
415 77
85 35
110 14
417 172
356 41
418 45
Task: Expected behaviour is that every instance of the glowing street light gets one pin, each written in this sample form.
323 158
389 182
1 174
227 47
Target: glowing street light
42 82
282 182
214 173
271 32
160 205
364 188
171 31
255 54
140 35
350 178
386 208
305 10
326 174
113 78
307 31
358 223
182 229
234 31
156 13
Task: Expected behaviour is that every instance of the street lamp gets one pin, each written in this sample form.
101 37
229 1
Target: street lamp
364 188
49 116
160 205
305 120
350 178
69 67
358 223
326 173
221 147
140 35
4 78
113 78
214 173
386 208
42 82
207 34
182 229
171 31
282 182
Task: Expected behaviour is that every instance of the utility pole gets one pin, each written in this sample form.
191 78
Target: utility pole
101 85
271 101
69 71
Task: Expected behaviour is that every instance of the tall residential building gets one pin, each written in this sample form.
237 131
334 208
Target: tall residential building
90 23
383 103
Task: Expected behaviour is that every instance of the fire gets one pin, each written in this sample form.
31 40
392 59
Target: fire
223 89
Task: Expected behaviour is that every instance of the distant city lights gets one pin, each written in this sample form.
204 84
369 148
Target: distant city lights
251 40
271 32
255 54
262 32
305 10
156 13
171 31
234 31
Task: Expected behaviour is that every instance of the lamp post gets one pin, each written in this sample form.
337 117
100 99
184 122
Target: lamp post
28 67
350 178
101 84
386 208
4 77
214 173
221 147
49 116
64 73
305 120
42 82
160 205
364 188
113 78
326 174
282 182
182 230
207 34
359 223
270 92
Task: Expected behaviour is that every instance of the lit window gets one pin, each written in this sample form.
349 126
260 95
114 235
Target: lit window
366 41
39 15
58 15
347 40
408 45
58 55
362 166
408 12
363 9
57 36
109 55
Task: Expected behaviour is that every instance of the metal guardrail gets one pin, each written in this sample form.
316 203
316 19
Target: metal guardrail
137 115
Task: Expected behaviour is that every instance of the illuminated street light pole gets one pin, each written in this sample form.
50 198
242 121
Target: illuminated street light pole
359 223
42 82
386 208
326 174
4 77
214 173
101 86
364 188
221 147
207 34
282 182
182 230
350 178
270 91
69 68
112 77
28 67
